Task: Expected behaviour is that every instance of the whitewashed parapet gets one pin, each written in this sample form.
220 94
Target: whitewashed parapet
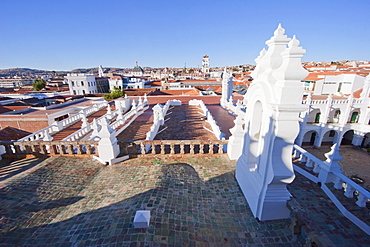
237 109
350 188
341 182
150 135
336 102
79 133
39 135
215 128
109 115
60 125
135 111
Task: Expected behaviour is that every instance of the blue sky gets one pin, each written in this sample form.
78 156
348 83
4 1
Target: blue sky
69 34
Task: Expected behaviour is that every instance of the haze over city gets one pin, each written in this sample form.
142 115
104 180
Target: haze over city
81 34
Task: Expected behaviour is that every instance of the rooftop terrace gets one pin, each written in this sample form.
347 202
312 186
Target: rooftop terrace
194 201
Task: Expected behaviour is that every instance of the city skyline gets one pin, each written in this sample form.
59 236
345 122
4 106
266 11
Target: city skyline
85 34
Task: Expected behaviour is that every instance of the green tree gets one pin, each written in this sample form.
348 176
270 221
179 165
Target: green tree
39 84
115 93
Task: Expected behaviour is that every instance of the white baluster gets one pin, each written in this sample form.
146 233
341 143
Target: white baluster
338 183
316 168
309 163
361 200
349 191
304 158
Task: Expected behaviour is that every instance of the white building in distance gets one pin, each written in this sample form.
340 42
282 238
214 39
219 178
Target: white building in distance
338 84
80 84
205 64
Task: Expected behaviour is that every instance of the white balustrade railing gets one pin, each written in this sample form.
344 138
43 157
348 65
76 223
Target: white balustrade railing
340 101
83 131
357 101
150 135
317 102
333 102
39 135
341 182
78 134
350 188
60 125
131 116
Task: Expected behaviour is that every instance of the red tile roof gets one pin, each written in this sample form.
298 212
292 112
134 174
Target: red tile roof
10 133
357 94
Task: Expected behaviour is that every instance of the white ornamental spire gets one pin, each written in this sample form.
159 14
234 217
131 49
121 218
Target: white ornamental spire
100 71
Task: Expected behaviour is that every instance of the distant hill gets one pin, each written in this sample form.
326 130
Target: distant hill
95 70
26 72
35 72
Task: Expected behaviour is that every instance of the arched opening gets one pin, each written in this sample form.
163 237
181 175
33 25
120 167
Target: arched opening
309 138
329 138
347 138
312 115
336 116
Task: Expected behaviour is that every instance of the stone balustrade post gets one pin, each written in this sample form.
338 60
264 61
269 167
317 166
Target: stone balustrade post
331 165
349 191
338 183
108 147
361 200
95 127
145 99
234 148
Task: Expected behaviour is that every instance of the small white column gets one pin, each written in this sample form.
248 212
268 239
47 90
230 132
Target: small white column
96 127
331 165
235 145
158 114
57 126
47 137
343 119
108 147
109 112
84 121
227 80
145 99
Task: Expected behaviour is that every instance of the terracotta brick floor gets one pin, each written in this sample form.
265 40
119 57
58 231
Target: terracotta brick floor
77 202
185 122
194 201
139 127
223 118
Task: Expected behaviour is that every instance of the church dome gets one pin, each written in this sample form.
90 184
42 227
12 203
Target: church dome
138 69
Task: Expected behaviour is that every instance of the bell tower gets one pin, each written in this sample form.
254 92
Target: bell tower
205 64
